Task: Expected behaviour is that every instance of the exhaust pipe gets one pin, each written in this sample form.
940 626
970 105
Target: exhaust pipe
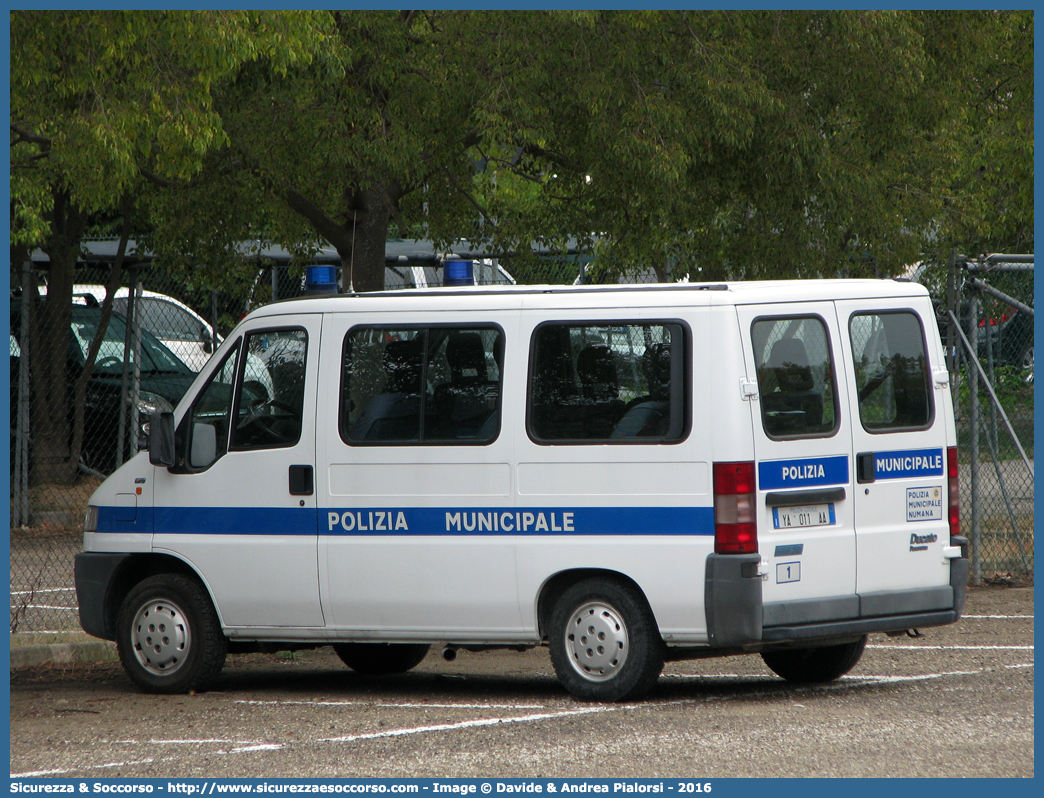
449 653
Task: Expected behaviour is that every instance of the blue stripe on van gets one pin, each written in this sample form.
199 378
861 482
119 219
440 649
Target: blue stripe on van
119 520
417 521
519 521
235 521
911 463
808 472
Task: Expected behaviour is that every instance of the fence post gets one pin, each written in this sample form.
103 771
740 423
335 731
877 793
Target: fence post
136 384
951 334
213 321
973 447
20 503
121 430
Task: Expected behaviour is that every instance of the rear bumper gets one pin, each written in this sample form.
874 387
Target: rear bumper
856 627
737 618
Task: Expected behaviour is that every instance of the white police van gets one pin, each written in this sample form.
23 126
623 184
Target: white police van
627 475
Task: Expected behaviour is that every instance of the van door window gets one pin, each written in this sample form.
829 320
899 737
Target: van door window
264 421
608 382
891 370
210 414
430 385
795 376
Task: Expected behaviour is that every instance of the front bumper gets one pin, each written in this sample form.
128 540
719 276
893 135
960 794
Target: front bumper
94 572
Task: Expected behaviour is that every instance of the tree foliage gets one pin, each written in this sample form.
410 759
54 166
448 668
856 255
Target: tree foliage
720 144
102 104
739 144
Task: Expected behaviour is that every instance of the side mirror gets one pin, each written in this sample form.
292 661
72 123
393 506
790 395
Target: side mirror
207 339
161 439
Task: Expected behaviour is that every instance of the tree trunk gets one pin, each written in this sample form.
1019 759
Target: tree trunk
363 264
111 287
53 459
361 240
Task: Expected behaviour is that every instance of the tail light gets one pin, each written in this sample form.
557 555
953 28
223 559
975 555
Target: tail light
735 494
953 506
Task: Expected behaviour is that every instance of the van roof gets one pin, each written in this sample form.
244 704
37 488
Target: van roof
651 294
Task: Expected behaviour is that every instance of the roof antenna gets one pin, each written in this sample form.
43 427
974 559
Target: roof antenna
351 261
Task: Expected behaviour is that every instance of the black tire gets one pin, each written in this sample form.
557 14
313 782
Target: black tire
381 659
605 645
168 635
813 665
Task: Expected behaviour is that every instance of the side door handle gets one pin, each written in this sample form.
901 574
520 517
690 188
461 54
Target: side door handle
301 480
866 467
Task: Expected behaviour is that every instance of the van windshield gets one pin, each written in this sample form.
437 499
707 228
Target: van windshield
155 357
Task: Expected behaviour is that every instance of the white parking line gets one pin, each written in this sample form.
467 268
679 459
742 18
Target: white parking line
844 681
43 590
263 747
901 647
181 742
38 773
470 724
998 617
244 746
413 705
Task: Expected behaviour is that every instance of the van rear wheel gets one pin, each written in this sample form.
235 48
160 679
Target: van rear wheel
381 659
812 665
168 635
604 642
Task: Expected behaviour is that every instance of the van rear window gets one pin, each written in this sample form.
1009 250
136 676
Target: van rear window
795 377
421 385
608 382
891 370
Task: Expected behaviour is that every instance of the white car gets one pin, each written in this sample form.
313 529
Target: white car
183 331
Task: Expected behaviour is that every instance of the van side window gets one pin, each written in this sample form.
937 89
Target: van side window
795 377
608 382
431 385
270 404
891 370
211 412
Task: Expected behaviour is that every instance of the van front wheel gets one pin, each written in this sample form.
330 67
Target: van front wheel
811 665
381 659
604 642
168 635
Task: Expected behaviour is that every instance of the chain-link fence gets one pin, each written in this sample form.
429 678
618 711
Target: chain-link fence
70 428
986 318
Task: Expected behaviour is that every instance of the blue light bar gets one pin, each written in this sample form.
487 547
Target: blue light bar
458 272
320 279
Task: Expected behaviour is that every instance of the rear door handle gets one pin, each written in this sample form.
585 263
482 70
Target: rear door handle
301 480
795 497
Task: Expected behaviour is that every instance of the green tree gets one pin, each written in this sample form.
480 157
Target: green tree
101 103
718 144
722 144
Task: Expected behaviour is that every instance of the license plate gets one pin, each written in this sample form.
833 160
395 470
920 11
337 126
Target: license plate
803 516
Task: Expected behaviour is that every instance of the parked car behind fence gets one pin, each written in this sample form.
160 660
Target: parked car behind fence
164 378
